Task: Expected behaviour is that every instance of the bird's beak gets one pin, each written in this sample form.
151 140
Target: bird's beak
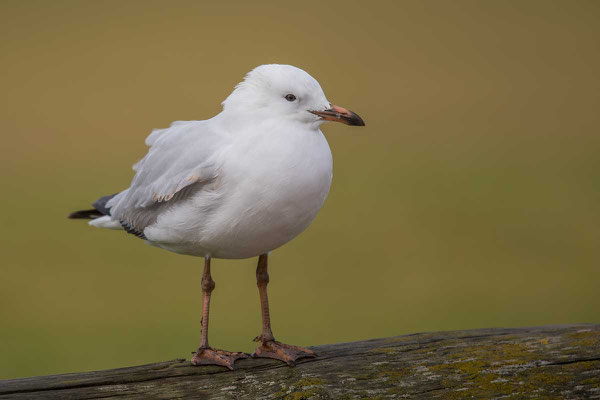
340 114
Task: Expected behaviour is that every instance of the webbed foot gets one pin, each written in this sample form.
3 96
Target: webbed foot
210 356
281 351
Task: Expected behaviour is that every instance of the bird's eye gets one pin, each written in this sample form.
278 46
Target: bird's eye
290 97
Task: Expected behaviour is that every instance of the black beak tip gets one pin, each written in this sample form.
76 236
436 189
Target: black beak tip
355 120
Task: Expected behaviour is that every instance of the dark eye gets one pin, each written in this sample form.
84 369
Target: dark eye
290 97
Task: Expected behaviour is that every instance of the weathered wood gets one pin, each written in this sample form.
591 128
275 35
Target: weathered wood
553 362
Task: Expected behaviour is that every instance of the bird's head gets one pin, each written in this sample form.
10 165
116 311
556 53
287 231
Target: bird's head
284 91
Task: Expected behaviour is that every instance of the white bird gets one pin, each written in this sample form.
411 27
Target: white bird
238 185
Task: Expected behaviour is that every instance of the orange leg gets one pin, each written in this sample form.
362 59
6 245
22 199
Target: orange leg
206 355
269 347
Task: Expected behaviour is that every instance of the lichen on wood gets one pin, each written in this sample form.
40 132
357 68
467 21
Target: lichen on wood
557 362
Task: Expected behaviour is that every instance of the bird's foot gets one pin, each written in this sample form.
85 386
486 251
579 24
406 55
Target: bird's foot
210 356
281 351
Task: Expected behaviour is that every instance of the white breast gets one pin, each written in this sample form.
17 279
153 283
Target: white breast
270 188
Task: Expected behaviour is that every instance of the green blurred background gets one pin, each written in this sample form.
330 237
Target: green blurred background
471 198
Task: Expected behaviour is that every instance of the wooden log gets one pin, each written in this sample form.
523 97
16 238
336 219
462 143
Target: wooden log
551 362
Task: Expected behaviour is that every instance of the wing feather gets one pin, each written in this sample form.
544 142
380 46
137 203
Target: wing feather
180 157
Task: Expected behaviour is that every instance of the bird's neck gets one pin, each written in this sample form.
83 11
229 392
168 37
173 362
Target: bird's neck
239 123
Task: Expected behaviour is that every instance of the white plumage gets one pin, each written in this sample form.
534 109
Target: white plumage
239 184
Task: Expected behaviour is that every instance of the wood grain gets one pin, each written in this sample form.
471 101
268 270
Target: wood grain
550 362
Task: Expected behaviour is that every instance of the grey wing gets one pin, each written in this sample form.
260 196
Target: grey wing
181 160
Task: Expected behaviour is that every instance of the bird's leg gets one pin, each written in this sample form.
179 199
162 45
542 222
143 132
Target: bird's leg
269 347
206 355
262 280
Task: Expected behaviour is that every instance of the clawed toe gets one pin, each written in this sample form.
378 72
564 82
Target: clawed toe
281 351
210 356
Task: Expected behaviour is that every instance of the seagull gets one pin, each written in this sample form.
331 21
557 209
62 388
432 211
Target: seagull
238 185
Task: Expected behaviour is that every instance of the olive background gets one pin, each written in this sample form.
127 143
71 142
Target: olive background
470 199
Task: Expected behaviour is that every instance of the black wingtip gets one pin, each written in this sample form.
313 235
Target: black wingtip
85 214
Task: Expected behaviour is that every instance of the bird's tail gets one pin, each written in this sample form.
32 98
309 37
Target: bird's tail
99 215
98 211
86 214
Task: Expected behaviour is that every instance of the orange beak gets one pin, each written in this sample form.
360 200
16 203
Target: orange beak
340 114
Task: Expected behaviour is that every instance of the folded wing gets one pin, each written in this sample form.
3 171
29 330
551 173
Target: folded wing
182 159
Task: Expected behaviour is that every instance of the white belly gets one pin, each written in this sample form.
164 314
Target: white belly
266 195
